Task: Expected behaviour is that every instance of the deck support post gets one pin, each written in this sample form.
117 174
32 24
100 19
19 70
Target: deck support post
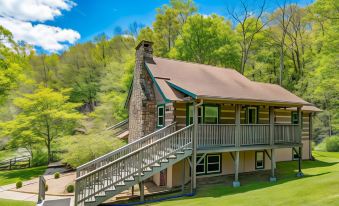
273 178
236 182
300 173
183 175
271 112
142 194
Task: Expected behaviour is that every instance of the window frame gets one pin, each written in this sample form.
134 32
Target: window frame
207 163
204 162
292 117
256 114
163 116
201 117
294 153
256 160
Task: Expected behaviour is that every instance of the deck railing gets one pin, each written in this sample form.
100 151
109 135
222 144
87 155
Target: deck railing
286 134
131 165
211 135
110 157
254 134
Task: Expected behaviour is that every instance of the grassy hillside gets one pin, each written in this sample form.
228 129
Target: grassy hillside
320 186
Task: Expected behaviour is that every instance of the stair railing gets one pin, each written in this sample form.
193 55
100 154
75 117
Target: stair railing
109 157
131 165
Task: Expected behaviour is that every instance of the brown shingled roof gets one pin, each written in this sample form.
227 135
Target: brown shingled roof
205 81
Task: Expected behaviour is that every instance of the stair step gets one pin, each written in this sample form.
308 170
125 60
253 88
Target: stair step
155 165
172 157
147 169
164 161
110 189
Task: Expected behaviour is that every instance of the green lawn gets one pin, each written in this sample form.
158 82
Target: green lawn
15 203
12 176
320 186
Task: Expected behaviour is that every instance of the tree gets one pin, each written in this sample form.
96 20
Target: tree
207 40
45 116
249 25
11 64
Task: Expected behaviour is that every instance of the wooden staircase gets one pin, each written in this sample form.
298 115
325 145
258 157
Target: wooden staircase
107 176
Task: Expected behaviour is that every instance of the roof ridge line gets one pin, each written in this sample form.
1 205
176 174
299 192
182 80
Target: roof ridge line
178 60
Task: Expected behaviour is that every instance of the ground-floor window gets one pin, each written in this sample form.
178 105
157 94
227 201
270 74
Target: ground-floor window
259 160
208 164
295 155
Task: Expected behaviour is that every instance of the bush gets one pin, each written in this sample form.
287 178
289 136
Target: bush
83 148
70 188
56 175
40 158
332 144
18 184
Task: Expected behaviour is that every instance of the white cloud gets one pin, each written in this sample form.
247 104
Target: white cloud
48 37
34 10
18 15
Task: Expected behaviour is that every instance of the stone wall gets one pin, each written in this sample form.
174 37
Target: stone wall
142 103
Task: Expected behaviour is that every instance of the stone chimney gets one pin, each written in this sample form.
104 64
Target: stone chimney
142 103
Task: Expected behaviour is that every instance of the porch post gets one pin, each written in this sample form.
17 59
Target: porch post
273 178
237 125
300 173
194 148
236 182
141 188
271 111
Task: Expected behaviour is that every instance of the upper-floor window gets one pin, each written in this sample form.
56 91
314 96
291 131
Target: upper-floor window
294 118
252 113
207 114
191 115
161 116
211 114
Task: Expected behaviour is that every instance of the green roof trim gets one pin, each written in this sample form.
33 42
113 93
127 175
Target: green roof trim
182 90
156 84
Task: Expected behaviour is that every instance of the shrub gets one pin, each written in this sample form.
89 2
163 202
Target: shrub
332 144
83 148
56 175
40 158
18 184
70 188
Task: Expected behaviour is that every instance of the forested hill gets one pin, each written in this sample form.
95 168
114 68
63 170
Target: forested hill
296 47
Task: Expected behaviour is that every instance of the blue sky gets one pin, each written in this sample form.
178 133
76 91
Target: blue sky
54 25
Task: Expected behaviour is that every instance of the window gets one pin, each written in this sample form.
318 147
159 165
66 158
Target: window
211 114
206 114
190 115
259 160
295 155
295 118
161 116
213 163
251 115
209 164
200 165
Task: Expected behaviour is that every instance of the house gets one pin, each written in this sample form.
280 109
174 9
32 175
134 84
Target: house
188 121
